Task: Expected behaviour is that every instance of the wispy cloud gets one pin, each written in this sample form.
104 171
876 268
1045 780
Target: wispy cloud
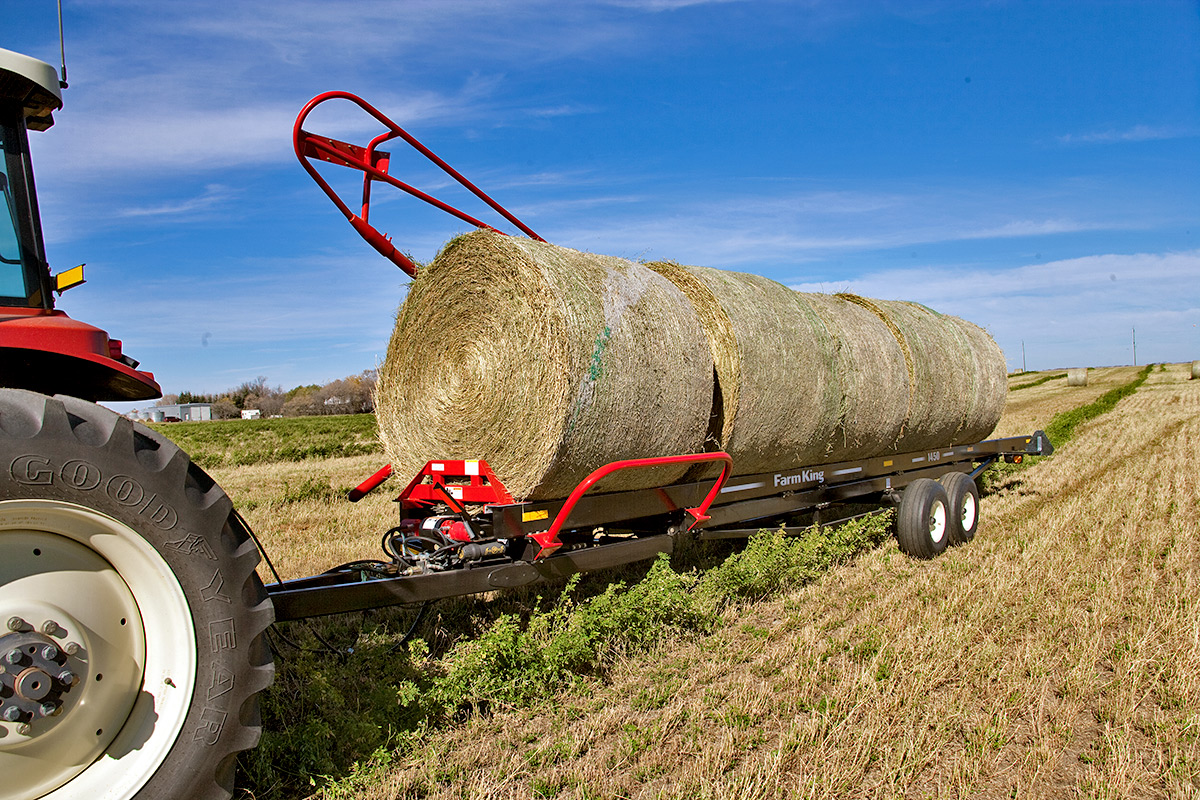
1138 133
1071 312
213 195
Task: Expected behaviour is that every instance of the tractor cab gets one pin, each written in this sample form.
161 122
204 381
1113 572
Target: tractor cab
41 348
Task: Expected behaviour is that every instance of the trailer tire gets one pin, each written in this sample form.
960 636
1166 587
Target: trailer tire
964 506
129 604
923 524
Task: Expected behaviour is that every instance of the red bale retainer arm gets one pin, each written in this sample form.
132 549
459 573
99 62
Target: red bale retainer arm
549 540
374 166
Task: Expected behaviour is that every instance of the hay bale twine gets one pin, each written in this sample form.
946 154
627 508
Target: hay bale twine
774 361
547 362
1077 376
1195 371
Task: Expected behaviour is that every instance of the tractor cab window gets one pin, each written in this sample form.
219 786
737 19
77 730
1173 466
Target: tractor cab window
12 276
24 278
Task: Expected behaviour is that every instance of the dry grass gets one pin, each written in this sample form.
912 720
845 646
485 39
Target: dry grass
1056 656
1032 408
299 511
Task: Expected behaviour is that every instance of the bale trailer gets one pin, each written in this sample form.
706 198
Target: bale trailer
132 650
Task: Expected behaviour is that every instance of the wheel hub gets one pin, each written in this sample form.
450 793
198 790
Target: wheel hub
35 677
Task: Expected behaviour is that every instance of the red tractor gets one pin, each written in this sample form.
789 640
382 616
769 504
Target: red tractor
130 613
41 348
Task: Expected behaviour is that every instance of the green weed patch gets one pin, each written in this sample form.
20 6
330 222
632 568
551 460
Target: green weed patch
1038 381
330 720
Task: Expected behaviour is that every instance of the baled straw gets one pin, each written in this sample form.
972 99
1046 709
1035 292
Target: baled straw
547 362
1077 376
782 401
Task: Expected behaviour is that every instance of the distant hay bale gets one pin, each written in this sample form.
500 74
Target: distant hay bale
547 363
1195 371
1077 376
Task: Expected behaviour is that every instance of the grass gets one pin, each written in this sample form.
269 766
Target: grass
238 442
1054 656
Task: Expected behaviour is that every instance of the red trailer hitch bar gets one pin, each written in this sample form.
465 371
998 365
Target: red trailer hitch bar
374 164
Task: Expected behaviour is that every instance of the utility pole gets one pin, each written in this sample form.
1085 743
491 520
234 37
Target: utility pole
1135 346
1022 355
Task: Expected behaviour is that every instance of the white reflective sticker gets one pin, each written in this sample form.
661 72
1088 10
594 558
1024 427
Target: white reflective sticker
438 467
472 467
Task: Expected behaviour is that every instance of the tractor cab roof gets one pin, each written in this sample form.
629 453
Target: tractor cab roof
32 83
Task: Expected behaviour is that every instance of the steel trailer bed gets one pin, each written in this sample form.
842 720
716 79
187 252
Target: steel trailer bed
502 544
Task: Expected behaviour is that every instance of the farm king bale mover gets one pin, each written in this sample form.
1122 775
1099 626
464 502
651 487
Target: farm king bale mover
132 648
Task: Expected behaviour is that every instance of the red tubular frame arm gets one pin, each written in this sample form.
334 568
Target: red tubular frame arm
549 539
374 165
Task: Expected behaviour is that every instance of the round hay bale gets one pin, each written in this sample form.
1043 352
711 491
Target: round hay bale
1077 376
957 380
1195 371
546 362
780 399
872 375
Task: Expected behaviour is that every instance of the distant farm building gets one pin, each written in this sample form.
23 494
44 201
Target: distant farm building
251 413
182 412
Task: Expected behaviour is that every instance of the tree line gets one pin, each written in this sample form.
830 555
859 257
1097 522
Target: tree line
351 395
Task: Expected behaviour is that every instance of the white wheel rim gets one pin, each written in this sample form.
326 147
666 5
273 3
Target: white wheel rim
937 522
92 571
968 512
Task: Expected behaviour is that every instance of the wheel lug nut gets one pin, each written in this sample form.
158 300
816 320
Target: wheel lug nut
68 678
50 652
48 709
12 714
16 624
51 628
14 657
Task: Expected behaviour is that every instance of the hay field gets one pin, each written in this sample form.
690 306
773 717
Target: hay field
1058 655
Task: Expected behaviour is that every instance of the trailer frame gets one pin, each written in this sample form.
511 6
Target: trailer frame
647 522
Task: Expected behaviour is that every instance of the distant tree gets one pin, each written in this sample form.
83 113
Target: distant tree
224 408
167 400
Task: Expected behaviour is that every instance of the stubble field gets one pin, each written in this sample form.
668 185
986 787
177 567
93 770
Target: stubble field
1058 655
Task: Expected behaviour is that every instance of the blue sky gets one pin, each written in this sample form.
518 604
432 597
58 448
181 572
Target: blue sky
1031 166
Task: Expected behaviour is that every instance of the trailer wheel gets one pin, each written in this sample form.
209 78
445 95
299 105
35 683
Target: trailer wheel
923 524
131 616
964 506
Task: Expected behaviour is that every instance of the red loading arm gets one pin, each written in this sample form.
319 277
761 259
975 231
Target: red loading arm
374 166
549 539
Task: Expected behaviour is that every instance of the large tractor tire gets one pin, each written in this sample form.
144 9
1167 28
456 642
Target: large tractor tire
131 617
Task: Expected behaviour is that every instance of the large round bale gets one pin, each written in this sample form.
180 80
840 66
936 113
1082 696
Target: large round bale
775 368
1195 371
872 376
547 362
957 375
1077 376
812 378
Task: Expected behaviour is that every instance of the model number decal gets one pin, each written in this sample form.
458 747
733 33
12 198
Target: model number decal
35 470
